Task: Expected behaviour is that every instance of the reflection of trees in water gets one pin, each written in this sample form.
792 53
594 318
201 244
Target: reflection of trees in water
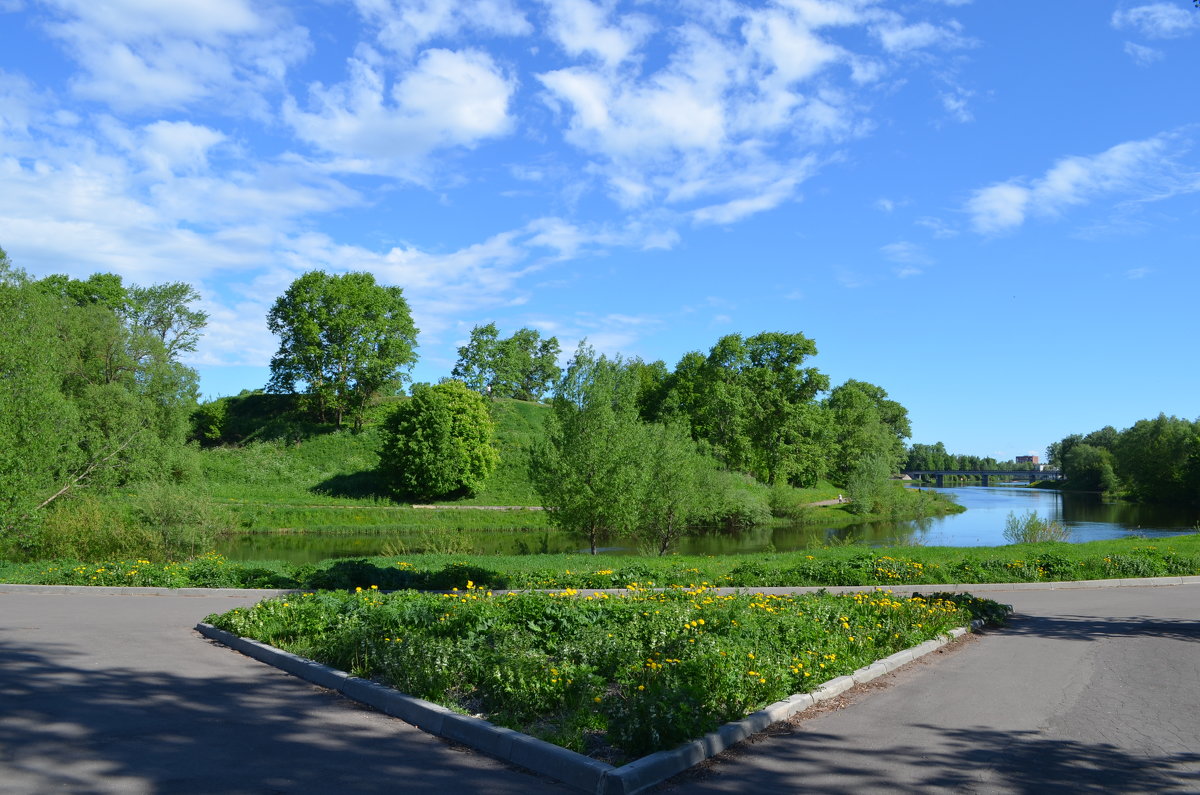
1131 516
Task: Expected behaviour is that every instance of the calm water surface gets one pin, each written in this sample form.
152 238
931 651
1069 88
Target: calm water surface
1088 518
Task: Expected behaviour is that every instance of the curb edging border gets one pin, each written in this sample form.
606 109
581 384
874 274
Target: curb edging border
569 767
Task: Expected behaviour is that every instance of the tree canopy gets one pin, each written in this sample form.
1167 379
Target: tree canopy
439 442
1154 460
88 394
343 340
522 366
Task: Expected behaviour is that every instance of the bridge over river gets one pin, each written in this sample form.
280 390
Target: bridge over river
1029 475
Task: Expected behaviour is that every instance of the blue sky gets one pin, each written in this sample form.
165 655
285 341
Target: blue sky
992 210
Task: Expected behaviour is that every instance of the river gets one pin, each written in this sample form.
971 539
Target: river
982 524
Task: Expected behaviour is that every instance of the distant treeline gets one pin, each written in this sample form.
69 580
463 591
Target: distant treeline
1155 460
935 456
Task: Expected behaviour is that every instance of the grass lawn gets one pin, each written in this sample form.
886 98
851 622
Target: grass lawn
852 565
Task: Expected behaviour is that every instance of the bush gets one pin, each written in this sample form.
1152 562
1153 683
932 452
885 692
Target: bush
439 443
160 521
738 500
1032 529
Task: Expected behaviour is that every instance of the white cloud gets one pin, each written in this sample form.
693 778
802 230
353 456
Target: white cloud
581 27
145 54
722 114
1158 20
955 101
178 146
937 227
1145 170
404 25
1142 56
998 207
899 37
447 99
907 253
1137 273
771 196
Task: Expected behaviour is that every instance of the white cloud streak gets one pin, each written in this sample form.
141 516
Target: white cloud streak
1145 170
1158 20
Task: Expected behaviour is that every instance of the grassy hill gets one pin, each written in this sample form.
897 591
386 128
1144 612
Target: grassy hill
264 452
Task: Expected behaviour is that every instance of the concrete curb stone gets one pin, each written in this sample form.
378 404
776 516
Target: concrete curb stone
576 770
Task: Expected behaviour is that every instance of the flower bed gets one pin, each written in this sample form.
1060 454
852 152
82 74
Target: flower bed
614 676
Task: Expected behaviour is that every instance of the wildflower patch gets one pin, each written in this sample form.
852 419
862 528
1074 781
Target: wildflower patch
611 676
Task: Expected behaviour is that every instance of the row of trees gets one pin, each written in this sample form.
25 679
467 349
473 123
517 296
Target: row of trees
935 456
754 405
1155 460
632 448
91 387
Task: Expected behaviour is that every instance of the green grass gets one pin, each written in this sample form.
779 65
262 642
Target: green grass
1121 558
616 676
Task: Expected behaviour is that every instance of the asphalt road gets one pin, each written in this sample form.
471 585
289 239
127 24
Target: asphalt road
1092 690
1086 691
118 694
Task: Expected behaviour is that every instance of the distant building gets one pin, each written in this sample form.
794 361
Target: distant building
1027 459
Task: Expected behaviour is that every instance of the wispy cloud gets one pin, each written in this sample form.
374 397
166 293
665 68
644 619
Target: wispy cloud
136 55
1146 170
1157 20
907 253
1142 56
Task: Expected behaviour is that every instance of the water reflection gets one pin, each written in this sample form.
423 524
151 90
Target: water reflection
1088 517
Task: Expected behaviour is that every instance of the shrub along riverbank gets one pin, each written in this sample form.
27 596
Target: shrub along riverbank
1128 557
615 677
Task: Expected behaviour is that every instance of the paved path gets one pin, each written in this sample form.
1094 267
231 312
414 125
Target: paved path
107 694
1092 690
1087 691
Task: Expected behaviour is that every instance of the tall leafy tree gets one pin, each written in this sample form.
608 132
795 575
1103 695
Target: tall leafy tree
164 311
866 424
522 366
673 497
1160 459
439 443
589 470
87 397
751 400
343 340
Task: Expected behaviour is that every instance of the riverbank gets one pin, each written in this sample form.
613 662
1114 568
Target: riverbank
848 565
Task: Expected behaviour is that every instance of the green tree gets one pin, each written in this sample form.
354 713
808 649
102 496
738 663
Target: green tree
86 397
38 442
439 443
164 312
1090 468
522 366
868 486
343 340
751 401
865 424
476 365
673 497
589 469
1160 459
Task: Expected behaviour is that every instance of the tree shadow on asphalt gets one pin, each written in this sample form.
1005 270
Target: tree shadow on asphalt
958 760
67 726
1070 627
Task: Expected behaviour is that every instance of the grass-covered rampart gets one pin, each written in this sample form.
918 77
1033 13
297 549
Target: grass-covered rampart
615 676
